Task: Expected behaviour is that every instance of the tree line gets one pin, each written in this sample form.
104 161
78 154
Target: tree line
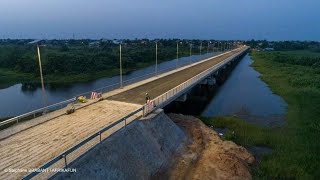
87 56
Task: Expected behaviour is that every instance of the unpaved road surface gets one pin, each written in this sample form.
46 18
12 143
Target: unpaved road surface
164 84
33 147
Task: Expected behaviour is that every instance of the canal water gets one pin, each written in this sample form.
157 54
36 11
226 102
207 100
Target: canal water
246 96
21 98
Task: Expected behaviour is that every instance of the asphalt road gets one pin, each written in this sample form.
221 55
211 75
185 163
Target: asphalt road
164 84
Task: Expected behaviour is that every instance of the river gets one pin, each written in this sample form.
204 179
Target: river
246 96
21 98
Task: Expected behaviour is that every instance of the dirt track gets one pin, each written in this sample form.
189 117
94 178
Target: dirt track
161 85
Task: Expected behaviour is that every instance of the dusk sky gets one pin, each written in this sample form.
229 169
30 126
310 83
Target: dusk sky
204 19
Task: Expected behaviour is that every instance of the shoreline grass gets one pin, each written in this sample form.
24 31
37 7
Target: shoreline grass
295 145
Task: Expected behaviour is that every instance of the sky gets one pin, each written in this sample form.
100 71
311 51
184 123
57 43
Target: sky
189 19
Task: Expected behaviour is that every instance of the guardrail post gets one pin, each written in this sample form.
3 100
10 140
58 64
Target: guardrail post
65 160
143 113
100 136
125 122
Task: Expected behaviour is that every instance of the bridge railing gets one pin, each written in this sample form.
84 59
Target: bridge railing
43 111
36 113
174 93
115 86
67 157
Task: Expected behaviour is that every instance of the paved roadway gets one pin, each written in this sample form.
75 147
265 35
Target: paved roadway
159 86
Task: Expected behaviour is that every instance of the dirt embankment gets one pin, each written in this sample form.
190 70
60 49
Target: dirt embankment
156 148
206 156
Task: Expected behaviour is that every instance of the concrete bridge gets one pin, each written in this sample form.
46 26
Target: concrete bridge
175 85
59 140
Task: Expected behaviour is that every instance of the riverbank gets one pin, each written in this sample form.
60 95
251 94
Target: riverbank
295 144
8 77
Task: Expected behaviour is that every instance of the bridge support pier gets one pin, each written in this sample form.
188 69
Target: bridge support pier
182 98
210 81
195 101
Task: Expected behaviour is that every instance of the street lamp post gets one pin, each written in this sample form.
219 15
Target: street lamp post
156 58
45 103
177 54
120 61
201 48
190 52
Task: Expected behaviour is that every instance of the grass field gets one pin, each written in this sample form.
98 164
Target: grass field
295 145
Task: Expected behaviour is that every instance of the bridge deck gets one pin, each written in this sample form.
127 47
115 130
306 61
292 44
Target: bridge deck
159 86
34 146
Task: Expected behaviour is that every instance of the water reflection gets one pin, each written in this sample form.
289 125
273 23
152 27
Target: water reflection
29 87
246 96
